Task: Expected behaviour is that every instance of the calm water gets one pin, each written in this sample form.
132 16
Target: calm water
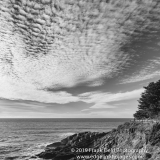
20 139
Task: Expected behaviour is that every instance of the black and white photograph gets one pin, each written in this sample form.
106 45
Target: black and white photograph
79 79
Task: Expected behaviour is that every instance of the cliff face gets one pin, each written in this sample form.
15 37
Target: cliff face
132 140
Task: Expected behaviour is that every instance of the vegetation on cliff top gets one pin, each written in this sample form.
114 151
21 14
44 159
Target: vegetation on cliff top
149 103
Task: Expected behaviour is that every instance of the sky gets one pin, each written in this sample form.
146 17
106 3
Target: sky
77 58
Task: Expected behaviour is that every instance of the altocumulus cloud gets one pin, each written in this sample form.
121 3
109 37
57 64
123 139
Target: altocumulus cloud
150 69
55 44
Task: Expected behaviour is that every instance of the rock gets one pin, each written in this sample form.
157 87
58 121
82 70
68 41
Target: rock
155 135
47 155
64 156
131 136
62 150
148 156
53 145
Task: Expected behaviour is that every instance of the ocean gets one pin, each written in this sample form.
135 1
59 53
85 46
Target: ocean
21 139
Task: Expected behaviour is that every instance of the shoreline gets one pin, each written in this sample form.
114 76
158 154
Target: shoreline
130 136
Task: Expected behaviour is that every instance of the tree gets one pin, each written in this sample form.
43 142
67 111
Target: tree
149 103
141 114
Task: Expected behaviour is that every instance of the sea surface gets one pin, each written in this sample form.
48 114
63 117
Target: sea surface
20 139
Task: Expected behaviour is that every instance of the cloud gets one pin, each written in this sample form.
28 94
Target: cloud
120 104
91 97
142 76
84 110
99 106
149 70
64 44
98 99
95 83
101 99
102 105
111 114
23 91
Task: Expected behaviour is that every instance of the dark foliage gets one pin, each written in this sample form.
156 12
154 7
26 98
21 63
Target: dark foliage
149 103
141 114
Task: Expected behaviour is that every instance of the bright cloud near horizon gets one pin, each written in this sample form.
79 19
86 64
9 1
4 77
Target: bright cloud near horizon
77 59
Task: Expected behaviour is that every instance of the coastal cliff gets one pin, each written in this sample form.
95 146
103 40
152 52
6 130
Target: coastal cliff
132 140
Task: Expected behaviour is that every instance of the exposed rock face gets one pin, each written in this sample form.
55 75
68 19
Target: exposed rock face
141 140
63 149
